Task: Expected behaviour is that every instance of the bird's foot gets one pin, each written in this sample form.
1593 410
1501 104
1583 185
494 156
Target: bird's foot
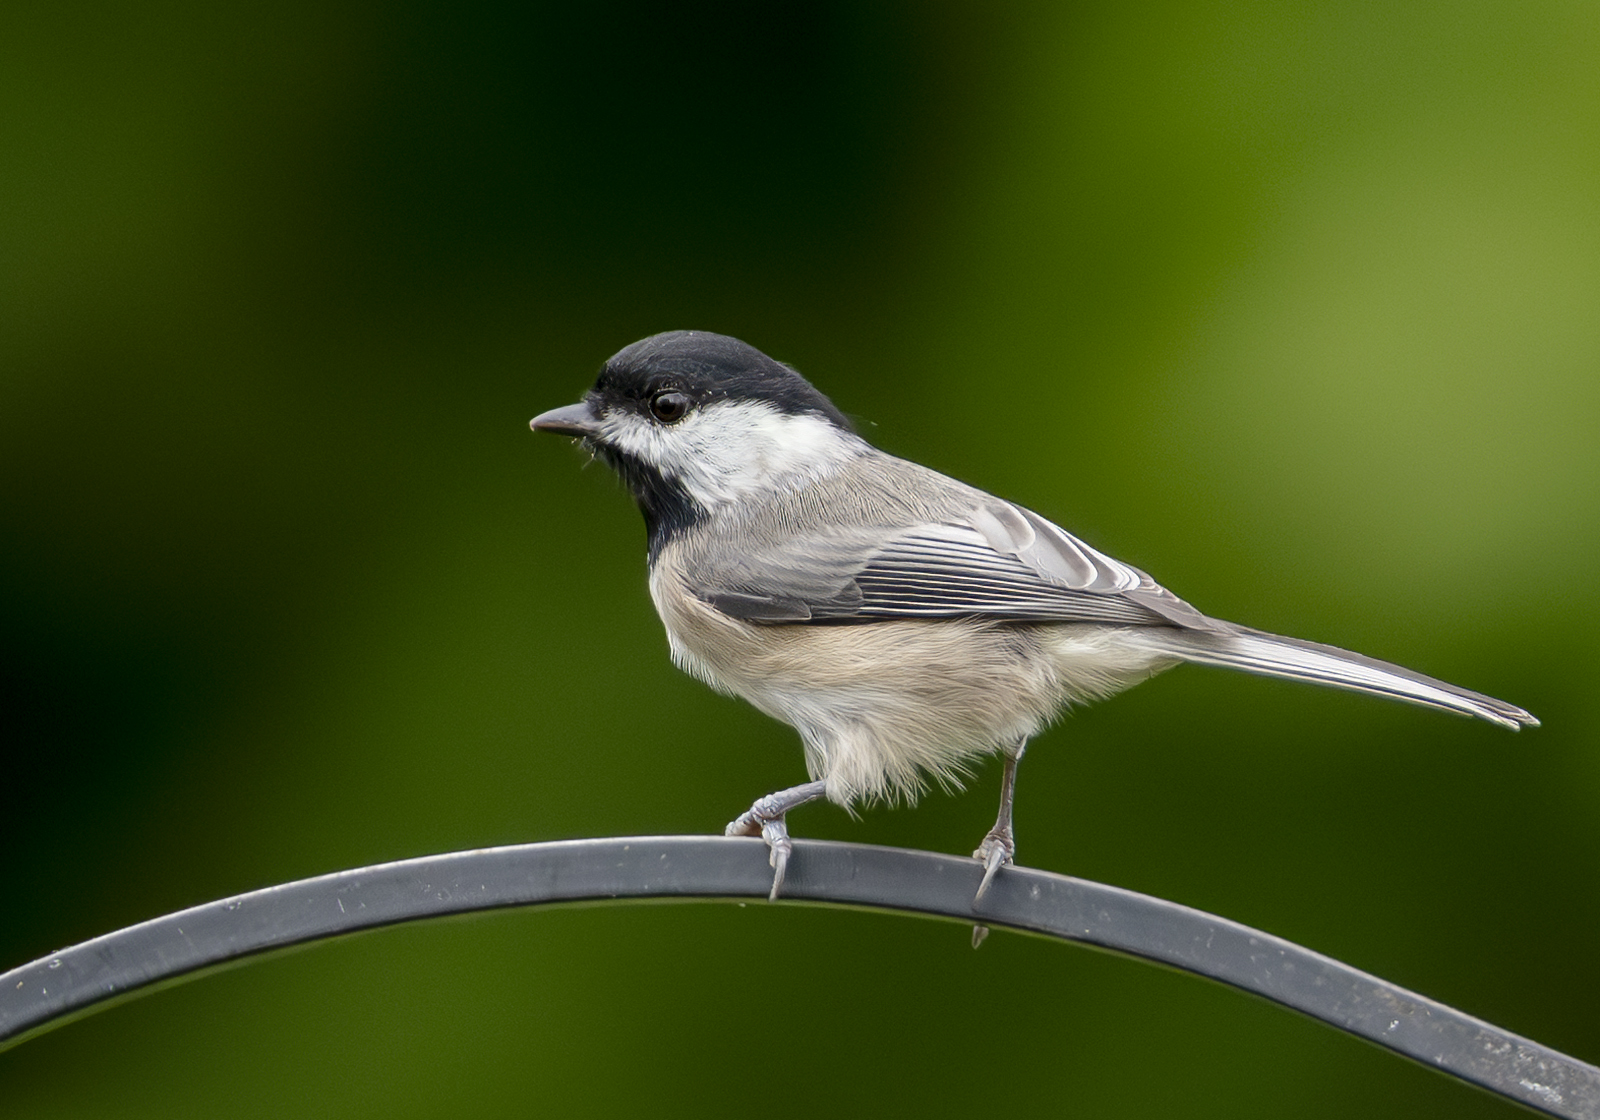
996 851
776 833
767 818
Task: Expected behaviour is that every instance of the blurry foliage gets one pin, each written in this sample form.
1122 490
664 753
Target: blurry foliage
1291 305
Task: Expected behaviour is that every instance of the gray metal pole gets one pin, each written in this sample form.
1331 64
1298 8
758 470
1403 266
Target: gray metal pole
86 977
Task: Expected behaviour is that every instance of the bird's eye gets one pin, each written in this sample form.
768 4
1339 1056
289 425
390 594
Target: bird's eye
669 407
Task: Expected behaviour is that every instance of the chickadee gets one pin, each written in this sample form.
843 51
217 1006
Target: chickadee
904 623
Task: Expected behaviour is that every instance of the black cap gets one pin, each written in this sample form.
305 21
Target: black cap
708 368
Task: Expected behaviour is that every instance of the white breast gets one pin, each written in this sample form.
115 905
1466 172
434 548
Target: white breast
881 707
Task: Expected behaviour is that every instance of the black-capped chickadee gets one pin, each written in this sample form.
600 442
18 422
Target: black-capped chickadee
902 622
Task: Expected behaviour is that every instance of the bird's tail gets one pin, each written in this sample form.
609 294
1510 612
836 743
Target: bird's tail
1273 655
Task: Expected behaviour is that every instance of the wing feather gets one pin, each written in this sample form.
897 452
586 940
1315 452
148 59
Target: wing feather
997 561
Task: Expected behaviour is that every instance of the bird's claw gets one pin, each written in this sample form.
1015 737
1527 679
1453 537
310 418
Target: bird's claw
776 834
996 852
745 824
768 819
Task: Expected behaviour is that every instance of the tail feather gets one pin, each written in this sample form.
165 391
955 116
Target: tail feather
1273 655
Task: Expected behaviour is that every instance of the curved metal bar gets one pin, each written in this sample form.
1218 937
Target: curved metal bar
75 981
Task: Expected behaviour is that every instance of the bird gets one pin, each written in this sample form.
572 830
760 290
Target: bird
905 624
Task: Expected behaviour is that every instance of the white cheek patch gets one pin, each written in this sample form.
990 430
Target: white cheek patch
733 448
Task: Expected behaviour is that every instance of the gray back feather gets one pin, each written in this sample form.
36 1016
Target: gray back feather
887 538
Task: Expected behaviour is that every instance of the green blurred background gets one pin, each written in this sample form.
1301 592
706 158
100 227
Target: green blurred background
1296 306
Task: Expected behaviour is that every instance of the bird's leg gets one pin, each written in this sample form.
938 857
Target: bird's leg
766 819
1000 845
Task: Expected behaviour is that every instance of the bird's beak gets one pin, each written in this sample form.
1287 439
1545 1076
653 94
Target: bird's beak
572 420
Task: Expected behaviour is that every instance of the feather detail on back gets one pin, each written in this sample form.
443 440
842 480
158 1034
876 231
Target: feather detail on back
883 538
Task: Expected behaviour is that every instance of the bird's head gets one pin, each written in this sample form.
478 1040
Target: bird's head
695 422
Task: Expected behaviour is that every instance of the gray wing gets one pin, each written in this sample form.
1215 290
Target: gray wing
996 560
